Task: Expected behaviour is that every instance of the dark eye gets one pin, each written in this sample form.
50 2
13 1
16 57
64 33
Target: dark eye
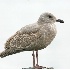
50 16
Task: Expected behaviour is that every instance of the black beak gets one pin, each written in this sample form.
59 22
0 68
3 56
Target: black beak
59 20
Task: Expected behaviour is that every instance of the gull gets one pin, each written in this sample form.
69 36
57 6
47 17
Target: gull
33 37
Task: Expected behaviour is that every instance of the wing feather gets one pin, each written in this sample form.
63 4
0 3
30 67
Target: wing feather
23 38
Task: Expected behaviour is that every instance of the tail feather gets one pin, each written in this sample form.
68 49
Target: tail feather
8 52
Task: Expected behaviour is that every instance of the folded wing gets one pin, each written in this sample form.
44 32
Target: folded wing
21 41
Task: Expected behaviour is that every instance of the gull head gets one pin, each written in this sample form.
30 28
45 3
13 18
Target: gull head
48 18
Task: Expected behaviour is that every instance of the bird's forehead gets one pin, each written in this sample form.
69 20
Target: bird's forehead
46 14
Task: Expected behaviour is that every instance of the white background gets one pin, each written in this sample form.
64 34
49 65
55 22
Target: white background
15 14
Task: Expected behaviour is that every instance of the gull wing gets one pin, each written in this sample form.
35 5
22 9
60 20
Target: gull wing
22 40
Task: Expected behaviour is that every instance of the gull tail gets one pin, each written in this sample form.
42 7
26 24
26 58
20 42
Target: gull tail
8 52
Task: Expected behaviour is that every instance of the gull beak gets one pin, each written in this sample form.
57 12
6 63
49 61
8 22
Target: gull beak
59 20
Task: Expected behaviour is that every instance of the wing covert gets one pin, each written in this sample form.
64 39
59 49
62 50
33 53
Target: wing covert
22 39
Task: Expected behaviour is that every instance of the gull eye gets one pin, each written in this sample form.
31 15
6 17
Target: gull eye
50 16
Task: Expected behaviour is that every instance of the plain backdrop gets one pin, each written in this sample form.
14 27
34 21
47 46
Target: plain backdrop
15 14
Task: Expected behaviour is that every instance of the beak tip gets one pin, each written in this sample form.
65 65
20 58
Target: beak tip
61 21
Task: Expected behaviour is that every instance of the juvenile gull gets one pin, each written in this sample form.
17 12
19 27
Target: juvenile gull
32 37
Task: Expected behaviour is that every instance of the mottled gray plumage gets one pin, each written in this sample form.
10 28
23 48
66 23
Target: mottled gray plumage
35 36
